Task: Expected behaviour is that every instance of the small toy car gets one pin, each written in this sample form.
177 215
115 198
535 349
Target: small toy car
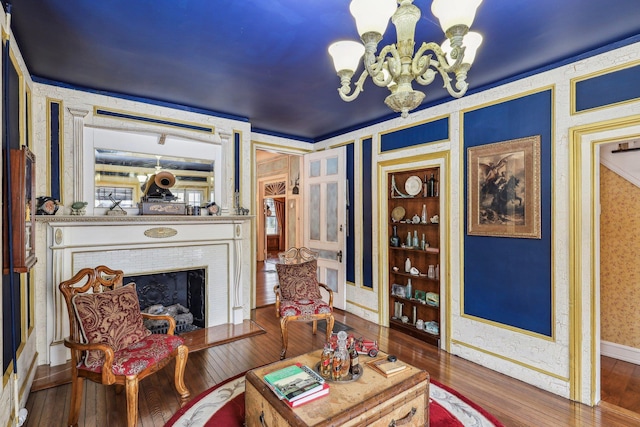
368 347
362 346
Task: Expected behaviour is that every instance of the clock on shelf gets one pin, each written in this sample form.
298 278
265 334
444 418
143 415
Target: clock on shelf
23 209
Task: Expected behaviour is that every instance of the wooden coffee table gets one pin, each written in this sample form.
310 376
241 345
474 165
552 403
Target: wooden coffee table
371 400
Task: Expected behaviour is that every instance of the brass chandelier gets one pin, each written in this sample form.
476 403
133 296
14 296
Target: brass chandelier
396 66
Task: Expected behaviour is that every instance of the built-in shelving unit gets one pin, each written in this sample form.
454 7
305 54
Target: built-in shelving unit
414 253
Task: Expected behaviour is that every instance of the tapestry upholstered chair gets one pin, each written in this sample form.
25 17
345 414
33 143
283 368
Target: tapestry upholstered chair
298 296
108 341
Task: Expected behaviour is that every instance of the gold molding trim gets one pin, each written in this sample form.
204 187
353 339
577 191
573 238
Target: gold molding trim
160 232
461 196
365 308
508 359
163 121
576 287
443 160
575 80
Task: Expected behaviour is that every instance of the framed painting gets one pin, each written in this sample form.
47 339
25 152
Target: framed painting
503 192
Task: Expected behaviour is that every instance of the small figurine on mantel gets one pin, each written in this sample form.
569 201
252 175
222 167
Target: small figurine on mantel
78 208
115 208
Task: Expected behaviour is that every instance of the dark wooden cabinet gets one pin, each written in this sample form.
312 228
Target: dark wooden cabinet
414 230
23 209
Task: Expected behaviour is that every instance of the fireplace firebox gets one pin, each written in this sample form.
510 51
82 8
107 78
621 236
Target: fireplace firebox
179 293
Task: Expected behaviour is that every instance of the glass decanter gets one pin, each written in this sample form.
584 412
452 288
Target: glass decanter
341 359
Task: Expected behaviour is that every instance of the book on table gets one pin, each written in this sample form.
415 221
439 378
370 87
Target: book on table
322 392
387 368
294 382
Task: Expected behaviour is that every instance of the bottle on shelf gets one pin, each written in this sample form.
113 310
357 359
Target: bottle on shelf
407 290
407 265
423 218
395 240
415 242
431 273
408 242
425 187
423 242
431 186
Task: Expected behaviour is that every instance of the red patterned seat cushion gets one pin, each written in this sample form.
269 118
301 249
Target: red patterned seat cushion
299 281
110 317
138 356
303 308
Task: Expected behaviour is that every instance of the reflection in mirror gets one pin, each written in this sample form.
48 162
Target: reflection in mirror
122 176
118 162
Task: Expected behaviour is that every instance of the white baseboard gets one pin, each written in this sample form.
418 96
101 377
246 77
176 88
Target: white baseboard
620 352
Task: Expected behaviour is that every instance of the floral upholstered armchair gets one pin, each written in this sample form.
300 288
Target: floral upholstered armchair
298 296
108 341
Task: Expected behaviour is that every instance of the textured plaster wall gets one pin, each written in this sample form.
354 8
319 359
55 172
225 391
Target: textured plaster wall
619 259
542 361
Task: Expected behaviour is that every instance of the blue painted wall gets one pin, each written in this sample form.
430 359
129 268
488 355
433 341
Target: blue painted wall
606 89
437 130
55 148
367 214
351 240
508 280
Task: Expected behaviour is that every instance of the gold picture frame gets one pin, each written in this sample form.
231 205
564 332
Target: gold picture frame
503 194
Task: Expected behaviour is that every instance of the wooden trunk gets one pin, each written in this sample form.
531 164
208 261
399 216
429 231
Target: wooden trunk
372 400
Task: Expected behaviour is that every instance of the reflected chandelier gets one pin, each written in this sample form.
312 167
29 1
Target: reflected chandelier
396 66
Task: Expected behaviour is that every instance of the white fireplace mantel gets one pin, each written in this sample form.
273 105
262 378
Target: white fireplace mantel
146 245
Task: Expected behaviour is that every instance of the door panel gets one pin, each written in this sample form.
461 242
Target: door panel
325 216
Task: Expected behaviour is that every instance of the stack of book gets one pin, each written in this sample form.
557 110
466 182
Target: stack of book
296 384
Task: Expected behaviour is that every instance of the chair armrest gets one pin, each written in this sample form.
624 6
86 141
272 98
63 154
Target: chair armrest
167 317
330 291
276 290
109 354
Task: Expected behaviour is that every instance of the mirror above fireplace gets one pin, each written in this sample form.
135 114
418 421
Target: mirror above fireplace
121 162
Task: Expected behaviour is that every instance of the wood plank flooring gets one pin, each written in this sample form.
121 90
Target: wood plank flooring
513 402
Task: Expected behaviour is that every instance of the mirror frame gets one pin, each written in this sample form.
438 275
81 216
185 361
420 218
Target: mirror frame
154 142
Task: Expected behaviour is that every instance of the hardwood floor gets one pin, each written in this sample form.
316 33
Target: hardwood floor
513 402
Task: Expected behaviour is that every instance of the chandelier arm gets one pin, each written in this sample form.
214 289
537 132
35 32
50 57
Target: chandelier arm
457 53
461 84
374 67
383 79
357 88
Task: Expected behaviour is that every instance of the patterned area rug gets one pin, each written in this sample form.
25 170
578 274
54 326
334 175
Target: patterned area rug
223 405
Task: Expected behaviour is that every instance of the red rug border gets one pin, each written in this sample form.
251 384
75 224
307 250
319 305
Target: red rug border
203 394
469 402
199 397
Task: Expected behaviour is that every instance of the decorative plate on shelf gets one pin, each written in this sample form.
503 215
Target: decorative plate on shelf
413 185
397 213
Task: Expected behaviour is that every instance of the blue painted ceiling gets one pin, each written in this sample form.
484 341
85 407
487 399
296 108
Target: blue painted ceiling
266 61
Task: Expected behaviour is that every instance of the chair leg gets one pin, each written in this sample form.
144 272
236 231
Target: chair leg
181 363
330 321
76 400
131 388
283 331
315 326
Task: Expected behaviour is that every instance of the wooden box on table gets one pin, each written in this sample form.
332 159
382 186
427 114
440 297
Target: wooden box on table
371 400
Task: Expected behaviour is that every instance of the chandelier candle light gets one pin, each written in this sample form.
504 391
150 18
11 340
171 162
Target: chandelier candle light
396 66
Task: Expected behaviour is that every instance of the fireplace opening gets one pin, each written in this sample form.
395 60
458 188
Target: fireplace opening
179 293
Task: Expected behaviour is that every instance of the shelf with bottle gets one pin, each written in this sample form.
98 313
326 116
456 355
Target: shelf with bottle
423 276
416 302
